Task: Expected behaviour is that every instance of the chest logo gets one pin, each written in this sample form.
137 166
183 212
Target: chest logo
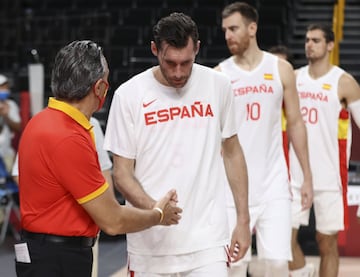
148 103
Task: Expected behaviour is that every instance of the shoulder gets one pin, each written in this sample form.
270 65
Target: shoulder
209 72
135 81
224 64
346 79
286 70
348 87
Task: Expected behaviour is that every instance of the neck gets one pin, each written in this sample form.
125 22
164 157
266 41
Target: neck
83 106
319 68
250 59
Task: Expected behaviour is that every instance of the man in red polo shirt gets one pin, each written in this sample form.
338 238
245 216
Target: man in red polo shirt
64 198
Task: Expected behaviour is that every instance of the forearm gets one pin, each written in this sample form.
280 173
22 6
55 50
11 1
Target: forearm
236 172
115 219
128 185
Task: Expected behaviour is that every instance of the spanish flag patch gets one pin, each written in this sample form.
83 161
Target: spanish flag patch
268 76
326 86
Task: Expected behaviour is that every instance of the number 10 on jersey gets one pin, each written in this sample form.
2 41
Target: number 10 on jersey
253 111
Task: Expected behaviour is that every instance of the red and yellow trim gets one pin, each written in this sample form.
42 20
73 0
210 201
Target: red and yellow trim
343 128
94 194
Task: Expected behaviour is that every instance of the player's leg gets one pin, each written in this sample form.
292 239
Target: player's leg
273 237
329 215
298 266
276 268
329 255
298 260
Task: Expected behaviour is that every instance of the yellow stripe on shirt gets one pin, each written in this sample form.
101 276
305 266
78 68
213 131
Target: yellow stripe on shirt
94 194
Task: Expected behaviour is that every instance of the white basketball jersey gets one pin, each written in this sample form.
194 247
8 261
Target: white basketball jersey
328 129
258 101
175 137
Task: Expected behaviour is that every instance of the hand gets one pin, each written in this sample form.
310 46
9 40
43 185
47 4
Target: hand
168 205
307 195
240 242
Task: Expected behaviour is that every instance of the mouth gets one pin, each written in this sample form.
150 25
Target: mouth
178 83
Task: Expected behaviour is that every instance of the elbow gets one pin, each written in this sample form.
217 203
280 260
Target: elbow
111 231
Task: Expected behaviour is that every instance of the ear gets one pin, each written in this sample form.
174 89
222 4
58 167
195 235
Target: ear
97 87
197 47
252 29
154 49
330 46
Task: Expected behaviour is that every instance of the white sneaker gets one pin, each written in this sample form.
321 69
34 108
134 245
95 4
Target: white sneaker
308 270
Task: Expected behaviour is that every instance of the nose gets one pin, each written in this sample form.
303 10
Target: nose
227 34
178 71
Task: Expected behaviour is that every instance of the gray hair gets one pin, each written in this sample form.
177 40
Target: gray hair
77 67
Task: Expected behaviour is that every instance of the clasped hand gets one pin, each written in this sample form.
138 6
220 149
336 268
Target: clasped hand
170 209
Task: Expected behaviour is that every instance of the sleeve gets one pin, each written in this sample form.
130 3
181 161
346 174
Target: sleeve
104 159
228 118
120 130
75 164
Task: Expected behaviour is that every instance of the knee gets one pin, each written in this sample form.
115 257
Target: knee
326 243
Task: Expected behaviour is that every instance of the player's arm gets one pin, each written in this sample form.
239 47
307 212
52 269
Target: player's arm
128 185
349 94
114 218
236 172
109 179
296 130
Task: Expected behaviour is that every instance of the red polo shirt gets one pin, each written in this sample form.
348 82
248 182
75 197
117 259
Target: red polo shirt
58 171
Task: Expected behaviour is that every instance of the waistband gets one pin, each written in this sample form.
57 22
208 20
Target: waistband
74 242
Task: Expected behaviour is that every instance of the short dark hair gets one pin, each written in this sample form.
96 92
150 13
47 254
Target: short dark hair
77 67
246 10
175 30
325 28
281 49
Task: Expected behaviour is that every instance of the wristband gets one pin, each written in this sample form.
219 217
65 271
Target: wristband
161 213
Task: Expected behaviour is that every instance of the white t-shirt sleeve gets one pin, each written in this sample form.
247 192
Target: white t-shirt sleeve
228 118
120 134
